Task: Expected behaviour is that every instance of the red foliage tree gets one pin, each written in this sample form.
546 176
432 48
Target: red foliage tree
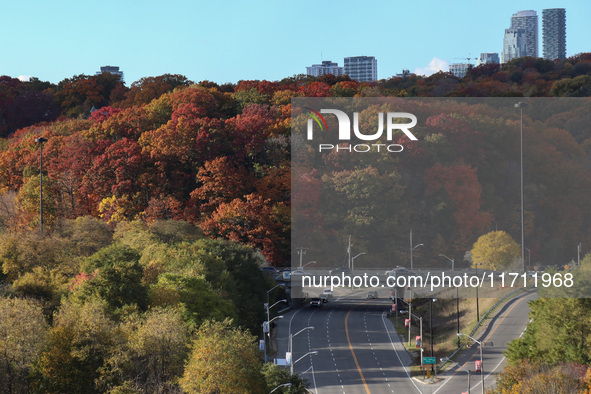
461 184
254 222
220 181
121 171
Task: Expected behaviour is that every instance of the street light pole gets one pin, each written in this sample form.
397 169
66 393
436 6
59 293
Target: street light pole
41 140
268 322
299 359
458 312
457 298
308 263
451 260
411 249
431 322
281 385
431 326
267 307
410 316
353 260
477 308
349 254
481 359
291 343
520 105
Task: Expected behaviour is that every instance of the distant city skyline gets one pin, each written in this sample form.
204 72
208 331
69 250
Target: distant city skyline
229 41
554 33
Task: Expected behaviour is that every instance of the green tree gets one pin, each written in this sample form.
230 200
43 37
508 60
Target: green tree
495 251
152 353
275 376
87 234
38 267
28 201
558 332
244 283
23 334
224 359
79 342
572 87
195 297
116 278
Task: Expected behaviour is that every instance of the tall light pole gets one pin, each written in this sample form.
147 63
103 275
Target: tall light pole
477 308
457 299
299 359
412 248
308 263
267 325
520 105
41 140
349 253
273 288
353 260
268 308
281 385
410 316
431 325
481 360
451 260
291 343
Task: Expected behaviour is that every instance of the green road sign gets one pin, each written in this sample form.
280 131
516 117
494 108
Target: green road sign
429 360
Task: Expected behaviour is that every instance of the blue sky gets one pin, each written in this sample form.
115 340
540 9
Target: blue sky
226 41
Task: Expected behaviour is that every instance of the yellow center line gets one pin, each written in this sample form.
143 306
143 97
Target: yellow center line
351 348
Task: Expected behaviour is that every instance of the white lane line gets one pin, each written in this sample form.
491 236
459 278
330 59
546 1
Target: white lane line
498 365
397 355
449 378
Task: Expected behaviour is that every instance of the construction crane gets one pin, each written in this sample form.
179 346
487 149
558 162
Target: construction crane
467 58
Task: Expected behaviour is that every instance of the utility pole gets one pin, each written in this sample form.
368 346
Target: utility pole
301 251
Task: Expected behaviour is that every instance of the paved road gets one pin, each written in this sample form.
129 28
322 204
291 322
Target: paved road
509 323
359 352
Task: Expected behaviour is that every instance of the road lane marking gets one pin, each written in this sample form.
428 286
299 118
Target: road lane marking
397 355
488 336
353 351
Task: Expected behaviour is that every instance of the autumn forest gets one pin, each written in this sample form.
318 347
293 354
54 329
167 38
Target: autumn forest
162 200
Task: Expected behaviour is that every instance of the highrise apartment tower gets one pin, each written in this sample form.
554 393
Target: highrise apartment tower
528 21
362 68
327 67
513 45
554 33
